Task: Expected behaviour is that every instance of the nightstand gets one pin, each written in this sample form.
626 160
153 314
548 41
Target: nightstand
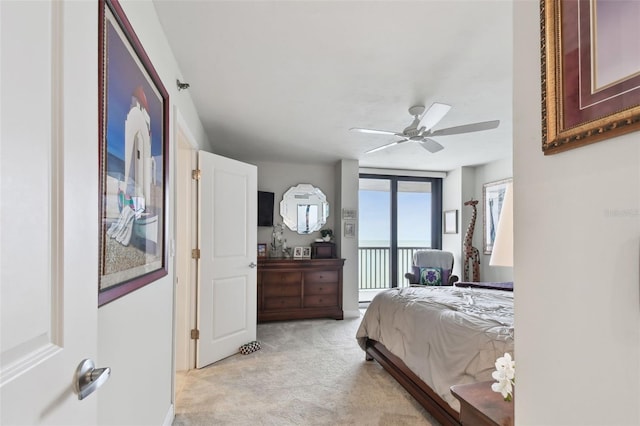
480 406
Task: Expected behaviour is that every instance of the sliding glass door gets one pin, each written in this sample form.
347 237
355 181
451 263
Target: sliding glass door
397 215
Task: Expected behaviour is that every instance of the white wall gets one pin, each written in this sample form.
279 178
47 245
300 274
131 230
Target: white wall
135 340
135 332
577 238
452 200
347 185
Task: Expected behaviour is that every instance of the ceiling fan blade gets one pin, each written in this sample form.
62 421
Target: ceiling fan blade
433 115
431 145
380 148
467 128
375 132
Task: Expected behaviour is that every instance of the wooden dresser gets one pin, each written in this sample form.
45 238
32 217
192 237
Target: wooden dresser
297 289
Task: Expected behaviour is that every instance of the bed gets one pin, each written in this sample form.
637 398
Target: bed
431 338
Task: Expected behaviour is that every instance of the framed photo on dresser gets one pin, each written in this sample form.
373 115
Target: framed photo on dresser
306 252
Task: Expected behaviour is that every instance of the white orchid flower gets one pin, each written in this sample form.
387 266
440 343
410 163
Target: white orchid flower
505 375
503 387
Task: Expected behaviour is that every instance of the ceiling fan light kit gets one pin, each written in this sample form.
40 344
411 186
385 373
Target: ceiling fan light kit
421 128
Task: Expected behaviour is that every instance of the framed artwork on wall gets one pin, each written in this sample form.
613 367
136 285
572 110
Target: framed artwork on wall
350 229
590 71
134 159
450 222
349 214
492 199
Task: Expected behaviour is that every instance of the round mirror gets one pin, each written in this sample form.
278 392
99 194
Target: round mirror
304 208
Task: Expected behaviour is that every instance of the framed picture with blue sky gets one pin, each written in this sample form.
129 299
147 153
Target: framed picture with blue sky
133 140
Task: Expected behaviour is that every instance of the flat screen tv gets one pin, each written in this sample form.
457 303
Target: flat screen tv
265 208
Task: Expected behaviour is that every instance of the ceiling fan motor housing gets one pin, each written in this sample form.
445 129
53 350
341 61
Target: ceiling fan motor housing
416 110
412 130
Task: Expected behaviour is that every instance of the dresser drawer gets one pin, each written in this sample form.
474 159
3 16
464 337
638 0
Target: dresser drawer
319 288
281 302
321 300
281 277
321 277
281 289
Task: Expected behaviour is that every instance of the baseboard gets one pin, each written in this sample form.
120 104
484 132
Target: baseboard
168 420
352 314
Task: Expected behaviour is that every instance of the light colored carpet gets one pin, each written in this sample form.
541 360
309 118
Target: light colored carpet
309 372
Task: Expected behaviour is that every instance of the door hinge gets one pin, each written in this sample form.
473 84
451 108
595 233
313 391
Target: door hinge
195 254
195 174
195 334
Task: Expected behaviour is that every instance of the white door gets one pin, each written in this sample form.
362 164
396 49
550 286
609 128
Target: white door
227 287
48 215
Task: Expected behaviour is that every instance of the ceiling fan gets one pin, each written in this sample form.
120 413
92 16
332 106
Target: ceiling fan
420 130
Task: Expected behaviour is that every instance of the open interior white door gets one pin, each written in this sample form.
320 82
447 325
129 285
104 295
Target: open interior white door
49 226
227 288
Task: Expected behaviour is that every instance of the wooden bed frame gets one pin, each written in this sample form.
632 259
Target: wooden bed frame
432 402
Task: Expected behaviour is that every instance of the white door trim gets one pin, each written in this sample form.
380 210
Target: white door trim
185 239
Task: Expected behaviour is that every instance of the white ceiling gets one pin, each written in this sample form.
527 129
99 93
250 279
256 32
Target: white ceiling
285 80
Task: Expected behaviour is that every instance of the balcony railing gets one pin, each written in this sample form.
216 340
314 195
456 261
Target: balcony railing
374 266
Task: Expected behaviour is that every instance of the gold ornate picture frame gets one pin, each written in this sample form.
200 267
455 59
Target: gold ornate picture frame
588 93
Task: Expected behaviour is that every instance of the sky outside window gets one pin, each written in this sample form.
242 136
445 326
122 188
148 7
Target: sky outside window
414 217
375 218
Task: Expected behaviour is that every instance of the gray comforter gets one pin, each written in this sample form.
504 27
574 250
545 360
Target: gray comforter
446 335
